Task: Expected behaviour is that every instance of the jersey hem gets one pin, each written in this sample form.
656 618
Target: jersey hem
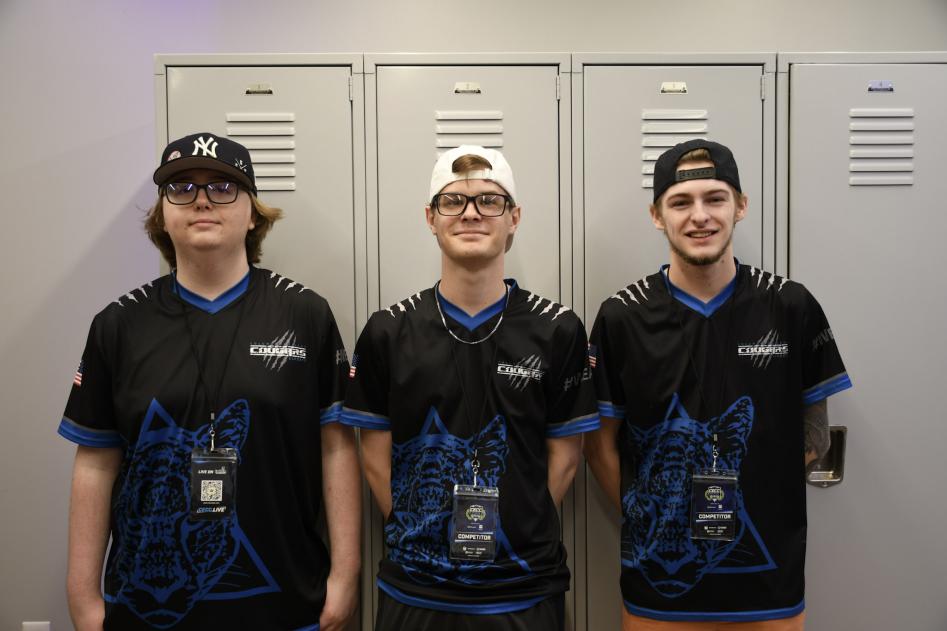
87 437
716 616
331 414
827 388
364 420
484 609
609 409
580 425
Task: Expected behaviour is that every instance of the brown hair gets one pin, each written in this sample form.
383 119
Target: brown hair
469 162
263 219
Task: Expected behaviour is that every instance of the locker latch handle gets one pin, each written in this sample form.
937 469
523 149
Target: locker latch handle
830 469
259 88
881 85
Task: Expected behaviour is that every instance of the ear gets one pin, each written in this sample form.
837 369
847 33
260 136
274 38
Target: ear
742 203
515 216
656 217
429 217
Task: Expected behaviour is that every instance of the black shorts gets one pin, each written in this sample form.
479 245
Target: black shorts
548 615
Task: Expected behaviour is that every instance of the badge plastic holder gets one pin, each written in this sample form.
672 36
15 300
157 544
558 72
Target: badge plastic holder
713 504
473 523
213 483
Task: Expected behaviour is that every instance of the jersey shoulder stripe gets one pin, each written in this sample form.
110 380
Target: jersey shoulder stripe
641 292
137 295
411 303
544 307
764 282
284 284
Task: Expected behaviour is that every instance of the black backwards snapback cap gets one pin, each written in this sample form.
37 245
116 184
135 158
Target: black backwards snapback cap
666 174
206 151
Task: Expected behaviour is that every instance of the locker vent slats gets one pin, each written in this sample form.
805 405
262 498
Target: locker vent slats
881 146
453 128
271 143
661 129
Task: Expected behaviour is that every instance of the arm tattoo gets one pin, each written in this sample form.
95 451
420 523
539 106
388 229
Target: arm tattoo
815 427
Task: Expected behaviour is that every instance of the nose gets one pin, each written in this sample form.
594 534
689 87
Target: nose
470 210
202 198
699 214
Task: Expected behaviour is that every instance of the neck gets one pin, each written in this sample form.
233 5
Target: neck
210 276
472 289
703 282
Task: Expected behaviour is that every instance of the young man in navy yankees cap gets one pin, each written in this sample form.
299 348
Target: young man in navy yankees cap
472 397
712 378
205 410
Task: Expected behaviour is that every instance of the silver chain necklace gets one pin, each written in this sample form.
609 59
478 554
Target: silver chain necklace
437 301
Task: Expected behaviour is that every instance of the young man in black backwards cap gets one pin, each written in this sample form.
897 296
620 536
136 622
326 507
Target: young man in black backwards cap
206 411
712 379
472 397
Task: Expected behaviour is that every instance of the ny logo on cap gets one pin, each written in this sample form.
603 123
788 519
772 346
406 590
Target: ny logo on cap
205 146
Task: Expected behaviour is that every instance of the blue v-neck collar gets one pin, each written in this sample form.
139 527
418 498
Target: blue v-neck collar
218 303
706 309
471 322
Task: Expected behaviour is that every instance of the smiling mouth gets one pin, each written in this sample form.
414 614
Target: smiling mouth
701 234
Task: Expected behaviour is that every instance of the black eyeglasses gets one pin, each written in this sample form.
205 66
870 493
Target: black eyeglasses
487 204
180 193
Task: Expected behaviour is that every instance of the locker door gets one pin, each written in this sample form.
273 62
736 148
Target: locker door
867 222
631 114
297 123
424 110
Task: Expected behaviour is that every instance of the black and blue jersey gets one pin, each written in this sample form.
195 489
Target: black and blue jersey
679 373
137 388
442 400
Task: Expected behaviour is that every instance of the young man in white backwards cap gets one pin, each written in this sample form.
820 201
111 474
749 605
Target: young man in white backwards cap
472 397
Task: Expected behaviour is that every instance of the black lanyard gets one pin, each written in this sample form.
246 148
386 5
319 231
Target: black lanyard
477 427
212 401
701 399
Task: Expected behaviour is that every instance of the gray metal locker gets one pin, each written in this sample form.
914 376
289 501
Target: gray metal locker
628 110
866 223
295 113
421 105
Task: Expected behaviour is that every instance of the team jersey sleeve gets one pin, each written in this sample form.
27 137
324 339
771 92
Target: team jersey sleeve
332 371
605 359
89 418
573 408
823 371
366 397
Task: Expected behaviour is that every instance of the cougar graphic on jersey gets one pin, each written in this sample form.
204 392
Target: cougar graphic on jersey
656 529
165 562
424 472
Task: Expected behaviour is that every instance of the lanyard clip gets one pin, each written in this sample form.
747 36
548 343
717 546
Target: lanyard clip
211 431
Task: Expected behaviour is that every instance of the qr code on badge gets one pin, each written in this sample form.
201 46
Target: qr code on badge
212 490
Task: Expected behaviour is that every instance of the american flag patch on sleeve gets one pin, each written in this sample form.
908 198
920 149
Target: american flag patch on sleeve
352 366
592 355
77 379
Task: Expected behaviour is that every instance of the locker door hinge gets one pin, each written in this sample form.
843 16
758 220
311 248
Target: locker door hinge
351 96
558 87
762 87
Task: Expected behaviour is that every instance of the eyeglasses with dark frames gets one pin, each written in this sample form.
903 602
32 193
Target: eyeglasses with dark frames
180 193
487 204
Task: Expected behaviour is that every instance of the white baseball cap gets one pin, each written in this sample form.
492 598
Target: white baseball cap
501 173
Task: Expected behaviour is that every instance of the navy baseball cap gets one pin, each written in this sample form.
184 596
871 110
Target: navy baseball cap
206 151
666 174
